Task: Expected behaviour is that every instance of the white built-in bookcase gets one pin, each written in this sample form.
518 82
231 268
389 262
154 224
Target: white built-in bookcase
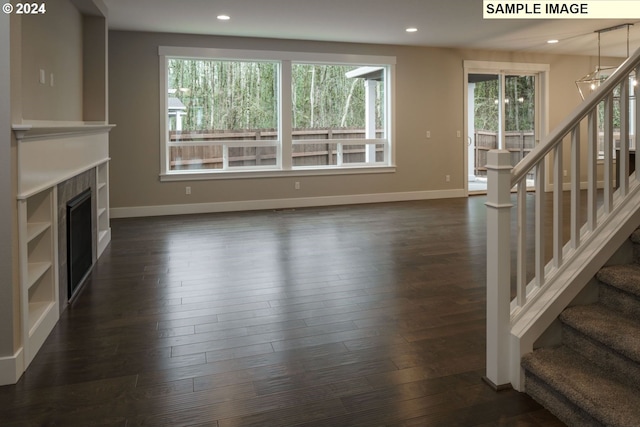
50 153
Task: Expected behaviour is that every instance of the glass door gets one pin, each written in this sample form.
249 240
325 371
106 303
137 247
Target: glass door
502 113
520 117
483 126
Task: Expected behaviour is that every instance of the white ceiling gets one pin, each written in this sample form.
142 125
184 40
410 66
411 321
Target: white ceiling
444 23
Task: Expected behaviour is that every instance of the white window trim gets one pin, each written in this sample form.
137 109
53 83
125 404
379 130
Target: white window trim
284 160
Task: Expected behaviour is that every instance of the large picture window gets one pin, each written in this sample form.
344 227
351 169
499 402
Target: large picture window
246 112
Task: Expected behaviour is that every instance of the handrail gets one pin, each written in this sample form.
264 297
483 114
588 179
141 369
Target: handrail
570 122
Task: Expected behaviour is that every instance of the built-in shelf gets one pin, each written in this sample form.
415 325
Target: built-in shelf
37 312
35 271
102 202
102 235
35 229
39 279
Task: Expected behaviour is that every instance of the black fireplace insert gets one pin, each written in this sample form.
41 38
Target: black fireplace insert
79 240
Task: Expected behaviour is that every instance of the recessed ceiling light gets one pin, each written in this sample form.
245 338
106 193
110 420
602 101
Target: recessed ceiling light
553 41
411 30
223 17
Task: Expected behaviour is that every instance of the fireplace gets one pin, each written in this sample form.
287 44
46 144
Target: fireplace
56 162
79 241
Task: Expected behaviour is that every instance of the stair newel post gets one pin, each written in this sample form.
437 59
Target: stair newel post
498 267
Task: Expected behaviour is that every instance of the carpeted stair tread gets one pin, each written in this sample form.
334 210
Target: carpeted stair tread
574 377
606 326
625 277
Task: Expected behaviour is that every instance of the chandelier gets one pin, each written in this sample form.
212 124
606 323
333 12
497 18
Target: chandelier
593 80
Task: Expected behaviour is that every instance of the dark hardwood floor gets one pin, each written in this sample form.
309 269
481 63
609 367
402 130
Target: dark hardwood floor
369 315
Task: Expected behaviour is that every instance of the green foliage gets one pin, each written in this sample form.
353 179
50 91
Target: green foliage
323 97
519 107
224 94
236 95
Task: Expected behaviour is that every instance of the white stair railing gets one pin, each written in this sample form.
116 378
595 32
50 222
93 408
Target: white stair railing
514 301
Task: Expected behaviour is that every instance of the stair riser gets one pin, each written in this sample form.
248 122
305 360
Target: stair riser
619 366
557 404
619 301
636 253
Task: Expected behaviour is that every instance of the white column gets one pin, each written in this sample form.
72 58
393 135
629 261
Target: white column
501 114
370 118
178 121
498 267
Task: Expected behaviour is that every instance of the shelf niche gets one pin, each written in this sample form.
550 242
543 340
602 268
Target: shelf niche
39 282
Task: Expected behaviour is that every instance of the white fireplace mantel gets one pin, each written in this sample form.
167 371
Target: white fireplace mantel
51 129
50 152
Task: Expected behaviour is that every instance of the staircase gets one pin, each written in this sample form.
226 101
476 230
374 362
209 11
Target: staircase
593 378
541 253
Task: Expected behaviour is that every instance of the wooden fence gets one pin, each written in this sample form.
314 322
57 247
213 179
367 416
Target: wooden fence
211 156
518 143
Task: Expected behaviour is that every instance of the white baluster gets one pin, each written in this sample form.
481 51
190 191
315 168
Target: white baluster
623 160
558 178
539 224
608 154
575 188
592 170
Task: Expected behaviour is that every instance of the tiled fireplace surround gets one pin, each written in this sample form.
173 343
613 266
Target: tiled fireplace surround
67 190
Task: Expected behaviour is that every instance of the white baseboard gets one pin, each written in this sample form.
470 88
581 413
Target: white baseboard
11 368
303 202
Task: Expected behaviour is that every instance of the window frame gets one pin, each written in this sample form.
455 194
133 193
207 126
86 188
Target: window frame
285 142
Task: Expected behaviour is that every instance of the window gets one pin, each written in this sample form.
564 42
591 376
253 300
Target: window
615 121
243 113
215 107
338 115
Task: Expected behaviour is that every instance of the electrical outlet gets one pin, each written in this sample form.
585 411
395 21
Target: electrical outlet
458 134
447 178
187 190
296 185
428 134
565 172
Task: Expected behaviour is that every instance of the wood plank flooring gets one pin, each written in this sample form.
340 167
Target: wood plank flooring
370 315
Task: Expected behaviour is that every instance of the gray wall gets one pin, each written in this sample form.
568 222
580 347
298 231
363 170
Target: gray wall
52 42
429 96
